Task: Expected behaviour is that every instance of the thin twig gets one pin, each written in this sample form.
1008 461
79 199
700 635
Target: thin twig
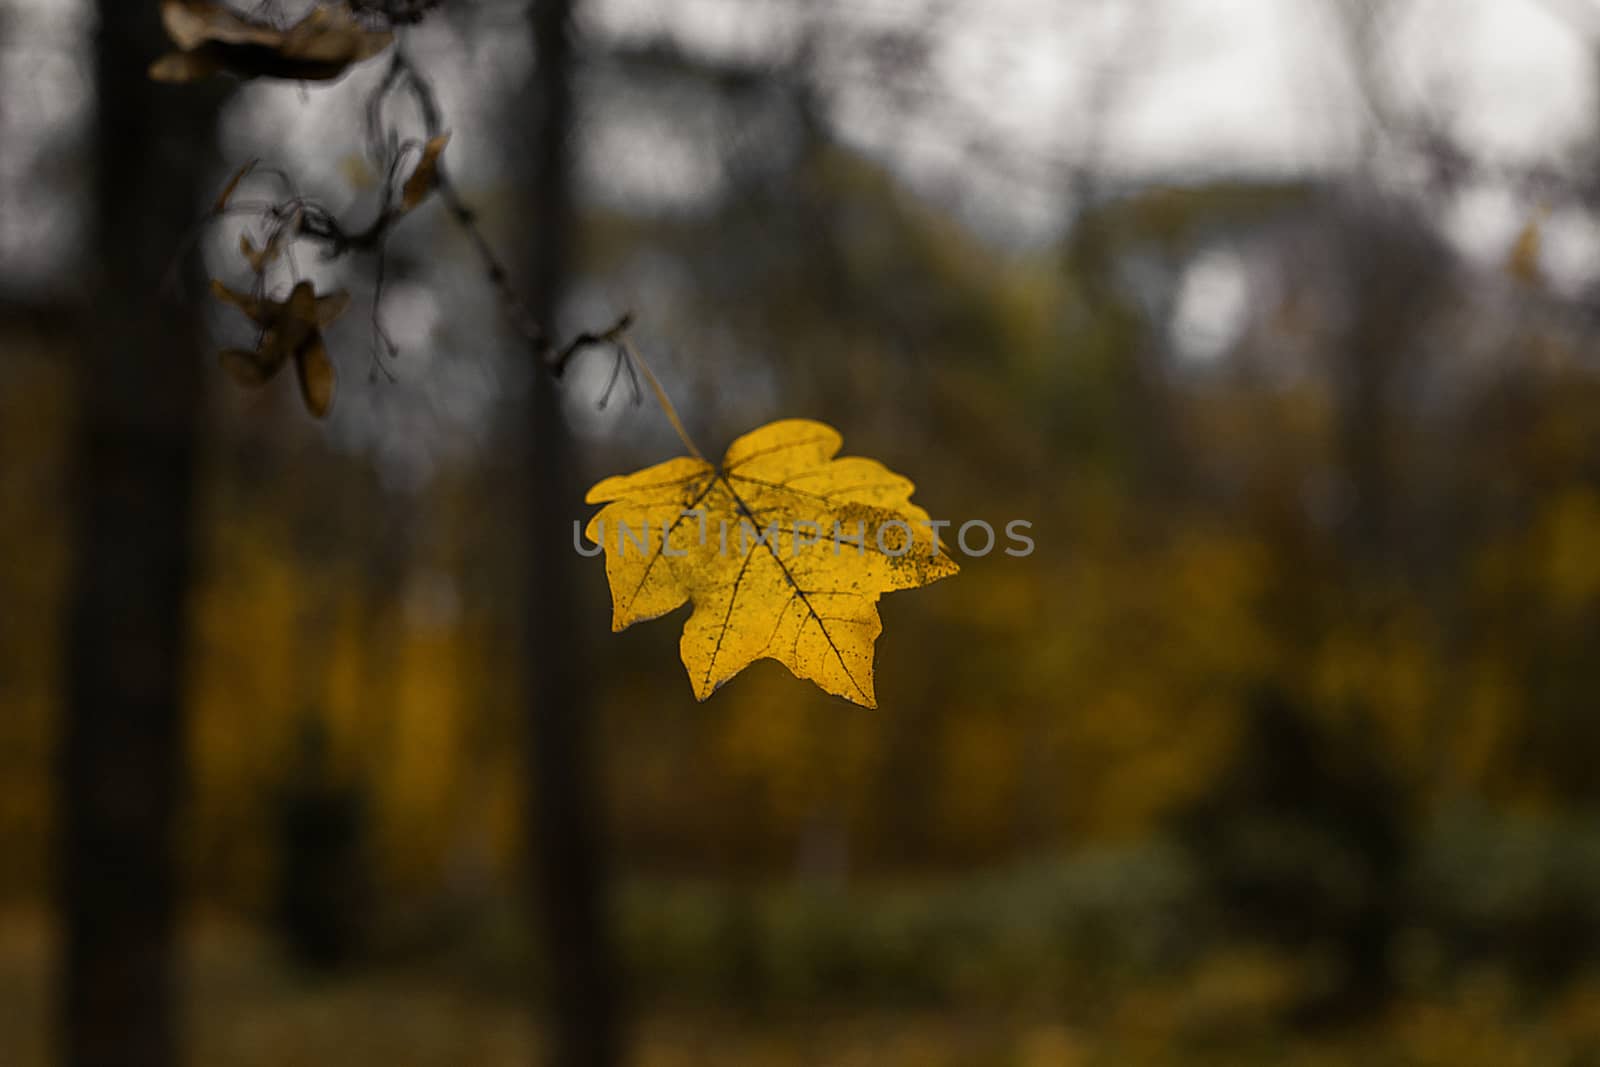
309 221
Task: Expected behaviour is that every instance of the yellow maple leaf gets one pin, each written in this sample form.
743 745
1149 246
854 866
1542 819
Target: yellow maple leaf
783 550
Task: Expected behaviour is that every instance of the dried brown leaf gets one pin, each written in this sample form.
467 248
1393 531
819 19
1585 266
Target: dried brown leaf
211 38
233 184
290 329
425 178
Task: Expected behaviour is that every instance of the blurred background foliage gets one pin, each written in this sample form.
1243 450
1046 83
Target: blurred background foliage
1280 748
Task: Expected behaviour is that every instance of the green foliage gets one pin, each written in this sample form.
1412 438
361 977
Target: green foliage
1044 932
1516 891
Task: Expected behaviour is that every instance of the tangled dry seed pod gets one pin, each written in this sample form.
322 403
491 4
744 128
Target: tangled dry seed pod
212 38
278 239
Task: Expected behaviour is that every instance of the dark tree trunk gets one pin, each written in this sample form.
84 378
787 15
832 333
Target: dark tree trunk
566 824
122 736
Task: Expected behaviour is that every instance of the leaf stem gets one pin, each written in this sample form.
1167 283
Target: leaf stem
661 396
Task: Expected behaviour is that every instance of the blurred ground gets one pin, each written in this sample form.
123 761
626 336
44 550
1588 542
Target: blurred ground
975 975
246 1007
